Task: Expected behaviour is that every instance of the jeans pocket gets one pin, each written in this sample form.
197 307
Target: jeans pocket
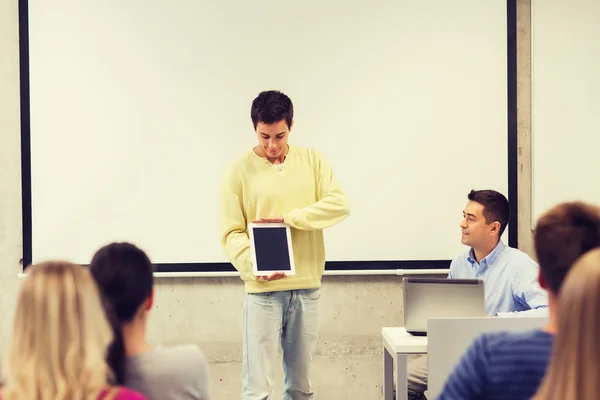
313 294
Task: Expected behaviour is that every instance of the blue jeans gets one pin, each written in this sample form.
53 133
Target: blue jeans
289 319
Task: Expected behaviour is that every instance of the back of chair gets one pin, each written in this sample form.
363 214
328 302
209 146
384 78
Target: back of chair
449 338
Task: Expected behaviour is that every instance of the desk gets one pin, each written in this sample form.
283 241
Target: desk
397 345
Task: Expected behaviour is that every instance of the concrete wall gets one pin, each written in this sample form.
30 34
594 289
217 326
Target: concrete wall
524 124
208 311
10 165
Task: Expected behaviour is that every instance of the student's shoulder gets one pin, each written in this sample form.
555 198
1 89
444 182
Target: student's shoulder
185 358
185 350
504 342
128 394
124 393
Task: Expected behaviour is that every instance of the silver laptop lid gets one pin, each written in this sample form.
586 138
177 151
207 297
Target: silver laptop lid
426 298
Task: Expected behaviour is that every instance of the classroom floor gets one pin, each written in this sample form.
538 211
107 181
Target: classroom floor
347 377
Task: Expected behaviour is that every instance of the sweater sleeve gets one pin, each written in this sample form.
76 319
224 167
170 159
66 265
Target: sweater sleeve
332 204
234 234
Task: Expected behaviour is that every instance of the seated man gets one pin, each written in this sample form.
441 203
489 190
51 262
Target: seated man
124 275
509 275
511 365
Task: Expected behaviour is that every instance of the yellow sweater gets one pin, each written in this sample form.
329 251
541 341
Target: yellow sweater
303 190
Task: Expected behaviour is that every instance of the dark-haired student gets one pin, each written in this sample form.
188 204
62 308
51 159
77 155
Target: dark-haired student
124 274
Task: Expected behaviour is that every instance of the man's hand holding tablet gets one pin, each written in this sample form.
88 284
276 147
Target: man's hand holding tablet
273 277
276 275
272 220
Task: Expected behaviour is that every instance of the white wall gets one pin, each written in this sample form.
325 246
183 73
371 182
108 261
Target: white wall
565 57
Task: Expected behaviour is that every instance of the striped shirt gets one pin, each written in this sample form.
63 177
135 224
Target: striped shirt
500 365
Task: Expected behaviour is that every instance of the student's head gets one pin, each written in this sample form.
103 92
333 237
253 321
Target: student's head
272 115
60 336
125 277
484 218
124 274
563 234
573 369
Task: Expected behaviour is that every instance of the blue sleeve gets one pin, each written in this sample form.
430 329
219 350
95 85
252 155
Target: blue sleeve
468 380
527 292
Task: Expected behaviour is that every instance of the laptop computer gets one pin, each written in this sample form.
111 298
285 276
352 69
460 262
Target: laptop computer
440 298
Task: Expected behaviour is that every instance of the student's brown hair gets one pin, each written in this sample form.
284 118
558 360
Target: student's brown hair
563 234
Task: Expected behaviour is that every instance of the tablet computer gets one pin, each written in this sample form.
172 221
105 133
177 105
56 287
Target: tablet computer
271 247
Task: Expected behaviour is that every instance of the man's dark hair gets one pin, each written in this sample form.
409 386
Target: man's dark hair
124 275
272 106
495 207
562 235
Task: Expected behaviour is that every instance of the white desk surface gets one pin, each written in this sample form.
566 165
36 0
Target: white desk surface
397 340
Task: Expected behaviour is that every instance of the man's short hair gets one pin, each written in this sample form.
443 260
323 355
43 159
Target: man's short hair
562 235
272 106
495 207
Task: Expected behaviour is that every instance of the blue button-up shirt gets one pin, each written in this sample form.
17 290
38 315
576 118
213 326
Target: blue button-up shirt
510 278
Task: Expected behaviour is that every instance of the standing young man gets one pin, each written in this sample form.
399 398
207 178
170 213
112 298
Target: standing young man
278 182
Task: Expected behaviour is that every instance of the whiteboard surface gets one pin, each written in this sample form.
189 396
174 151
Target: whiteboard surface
138 107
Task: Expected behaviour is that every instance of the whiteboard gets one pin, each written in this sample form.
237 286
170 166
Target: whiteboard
137 108
565 57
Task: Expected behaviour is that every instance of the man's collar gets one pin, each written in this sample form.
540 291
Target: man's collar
490 258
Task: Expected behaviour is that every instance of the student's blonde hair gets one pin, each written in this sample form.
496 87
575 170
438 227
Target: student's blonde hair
59 338
575 365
